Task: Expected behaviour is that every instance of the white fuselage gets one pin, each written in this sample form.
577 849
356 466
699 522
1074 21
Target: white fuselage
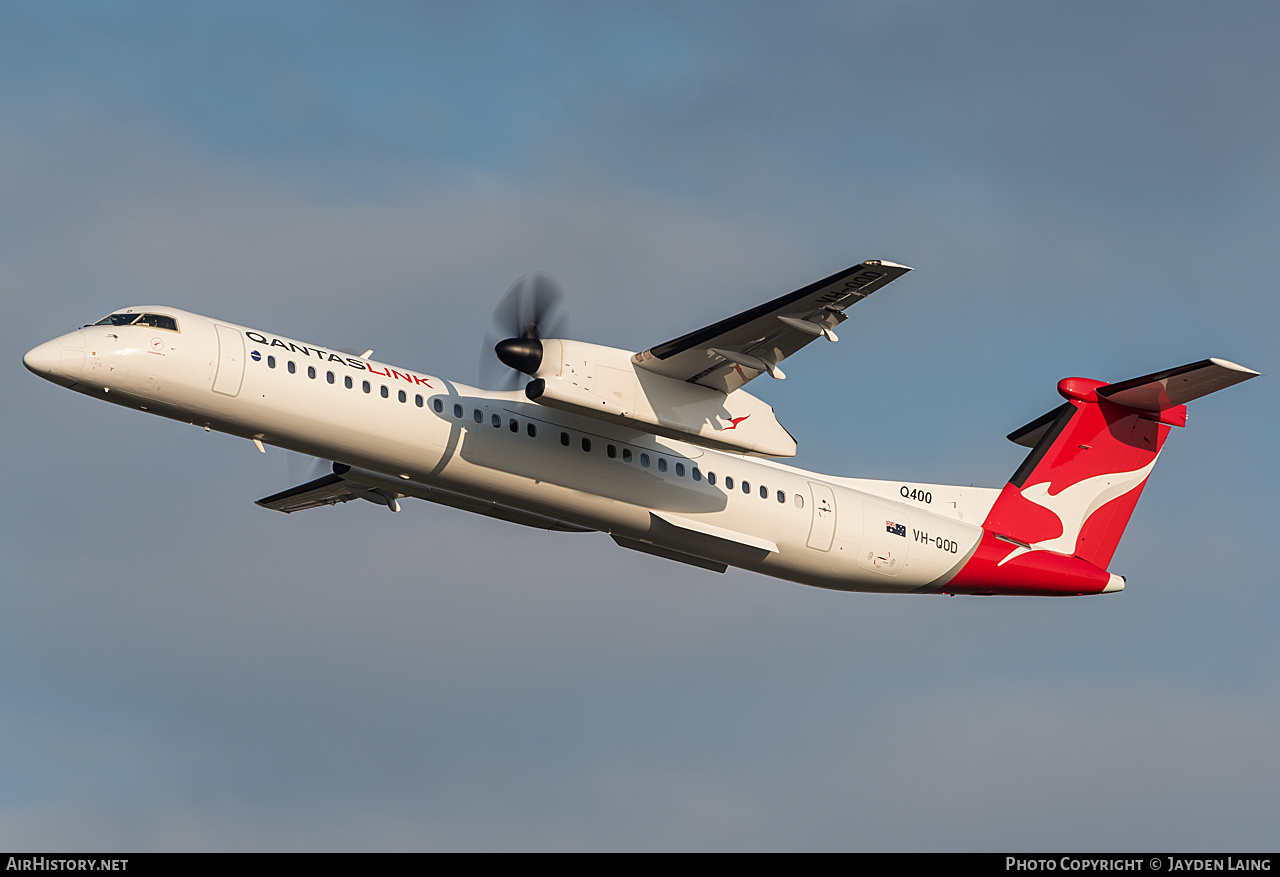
441 440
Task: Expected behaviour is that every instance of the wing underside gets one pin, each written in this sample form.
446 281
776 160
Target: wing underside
326 490
346 483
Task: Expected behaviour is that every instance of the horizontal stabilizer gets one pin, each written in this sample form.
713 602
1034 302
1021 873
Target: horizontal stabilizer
1176 386
1159 392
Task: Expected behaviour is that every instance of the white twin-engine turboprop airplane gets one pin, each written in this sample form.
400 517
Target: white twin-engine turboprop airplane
663 449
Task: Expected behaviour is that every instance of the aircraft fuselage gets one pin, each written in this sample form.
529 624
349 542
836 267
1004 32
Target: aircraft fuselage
405 433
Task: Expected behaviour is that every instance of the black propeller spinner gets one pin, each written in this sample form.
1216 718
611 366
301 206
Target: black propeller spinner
521 354
533 308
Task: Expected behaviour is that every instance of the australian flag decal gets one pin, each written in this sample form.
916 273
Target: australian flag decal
896 529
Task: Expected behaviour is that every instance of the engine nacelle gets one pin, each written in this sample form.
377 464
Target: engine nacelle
603 382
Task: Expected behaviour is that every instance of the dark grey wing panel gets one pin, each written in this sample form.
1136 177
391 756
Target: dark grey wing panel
327 490
727 354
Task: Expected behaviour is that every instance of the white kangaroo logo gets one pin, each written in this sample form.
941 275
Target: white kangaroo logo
1073 505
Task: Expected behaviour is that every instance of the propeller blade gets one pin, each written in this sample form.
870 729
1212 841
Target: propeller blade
303 468
532 309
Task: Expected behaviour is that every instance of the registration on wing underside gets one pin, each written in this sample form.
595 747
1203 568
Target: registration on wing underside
728 354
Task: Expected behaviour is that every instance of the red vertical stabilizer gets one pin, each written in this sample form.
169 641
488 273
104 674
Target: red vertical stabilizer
1056 524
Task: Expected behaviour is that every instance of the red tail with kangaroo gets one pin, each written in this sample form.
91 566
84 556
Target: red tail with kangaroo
1056 524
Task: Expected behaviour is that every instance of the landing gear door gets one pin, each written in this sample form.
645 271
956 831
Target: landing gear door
823 528
230 372
884 539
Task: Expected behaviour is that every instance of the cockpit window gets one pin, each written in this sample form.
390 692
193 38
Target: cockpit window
158 321
155 321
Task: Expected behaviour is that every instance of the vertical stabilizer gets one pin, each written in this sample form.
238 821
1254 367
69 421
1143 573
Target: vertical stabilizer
1074 493
1077 488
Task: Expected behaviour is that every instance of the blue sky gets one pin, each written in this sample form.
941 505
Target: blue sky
1083 188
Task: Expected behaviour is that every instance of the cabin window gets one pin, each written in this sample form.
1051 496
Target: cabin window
417 400
626 455
384 391
477 415
679 470
328 376
564 439
711 478
496 420
364 385
644 460
782 496
728 482
271 362
292 368
764 492
697 474
402 396
457 410
347 382
532 429
746 487
662 464
610 451
799 501
586 444
437 405
514 425
311 372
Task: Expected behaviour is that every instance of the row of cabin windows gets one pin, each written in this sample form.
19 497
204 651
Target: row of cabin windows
347 381
763 490
477 415
611 451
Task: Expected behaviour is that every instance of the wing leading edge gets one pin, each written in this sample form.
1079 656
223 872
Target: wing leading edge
728 354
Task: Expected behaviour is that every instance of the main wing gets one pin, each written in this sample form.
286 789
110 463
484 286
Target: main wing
326 490
728 354
346 483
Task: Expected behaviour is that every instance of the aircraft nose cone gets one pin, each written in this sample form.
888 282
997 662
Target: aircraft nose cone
60 360
43 360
